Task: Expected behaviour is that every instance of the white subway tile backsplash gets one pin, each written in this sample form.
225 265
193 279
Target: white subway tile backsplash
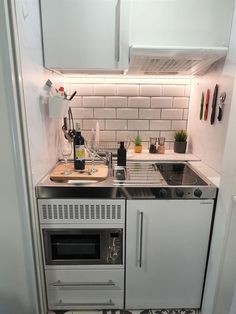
145 135
76 102
149 114
104 113
115 102
93 102
82 113
128 90
181 102
105 89
151 107
91 124
179 125
171 114
139 102
150 90
127 113
173 90
168 135
116 124
138 124
185 114
160 124
108 136
124 135
161 102
82 89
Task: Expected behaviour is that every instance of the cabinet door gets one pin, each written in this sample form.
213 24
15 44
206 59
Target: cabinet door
166 252
82 34
181 23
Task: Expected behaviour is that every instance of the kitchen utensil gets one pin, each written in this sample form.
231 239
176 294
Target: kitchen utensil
73 95
214 102
206 104
153 148
221 105
201 106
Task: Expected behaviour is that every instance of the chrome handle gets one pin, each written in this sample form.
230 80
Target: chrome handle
140 255
117 32
61 303
82 284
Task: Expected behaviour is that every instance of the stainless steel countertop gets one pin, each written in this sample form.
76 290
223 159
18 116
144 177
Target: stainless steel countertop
145 186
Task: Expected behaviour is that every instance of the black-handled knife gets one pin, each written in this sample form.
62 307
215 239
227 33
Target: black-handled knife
214 103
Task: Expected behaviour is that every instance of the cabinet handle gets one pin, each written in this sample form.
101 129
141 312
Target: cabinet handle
117 32
82 284
61 303
140 254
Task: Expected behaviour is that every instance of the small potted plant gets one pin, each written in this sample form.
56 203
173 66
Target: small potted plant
180 141
137 144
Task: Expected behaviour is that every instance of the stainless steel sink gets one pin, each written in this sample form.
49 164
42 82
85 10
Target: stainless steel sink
138 174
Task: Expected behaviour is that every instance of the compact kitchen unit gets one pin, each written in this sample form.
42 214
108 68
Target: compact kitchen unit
101 240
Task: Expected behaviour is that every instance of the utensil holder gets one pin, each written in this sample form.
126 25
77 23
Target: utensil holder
57 107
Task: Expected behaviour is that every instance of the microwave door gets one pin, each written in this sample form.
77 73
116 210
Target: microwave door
74 247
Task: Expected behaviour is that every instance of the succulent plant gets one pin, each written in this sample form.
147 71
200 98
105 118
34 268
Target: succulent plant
137 140
181 136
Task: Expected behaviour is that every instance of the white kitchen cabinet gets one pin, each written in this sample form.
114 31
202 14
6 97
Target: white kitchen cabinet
85 34
166 252
185 23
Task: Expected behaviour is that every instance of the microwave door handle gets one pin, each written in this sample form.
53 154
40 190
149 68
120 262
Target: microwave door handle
82 284
140 252
61 303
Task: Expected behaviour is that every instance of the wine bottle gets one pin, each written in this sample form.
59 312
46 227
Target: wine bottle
79 149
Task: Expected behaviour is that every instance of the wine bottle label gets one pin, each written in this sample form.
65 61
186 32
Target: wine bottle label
79 152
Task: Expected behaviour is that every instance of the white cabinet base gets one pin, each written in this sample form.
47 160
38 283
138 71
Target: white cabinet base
167 243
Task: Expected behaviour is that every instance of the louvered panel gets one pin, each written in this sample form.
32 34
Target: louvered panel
81 211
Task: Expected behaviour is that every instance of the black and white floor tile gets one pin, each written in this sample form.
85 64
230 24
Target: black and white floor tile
158 311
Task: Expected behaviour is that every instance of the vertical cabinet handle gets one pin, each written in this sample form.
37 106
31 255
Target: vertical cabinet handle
140 252
117 32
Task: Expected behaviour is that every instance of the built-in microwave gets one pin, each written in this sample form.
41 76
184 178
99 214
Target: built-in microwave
83 246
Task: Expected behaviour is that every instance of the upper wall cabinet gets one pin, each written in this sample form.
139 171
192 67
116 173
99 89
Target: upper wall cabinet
185 23
85 34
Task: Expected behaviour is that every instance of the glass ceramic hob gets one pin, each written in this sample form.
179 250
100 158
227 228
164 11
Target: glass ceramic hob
179 174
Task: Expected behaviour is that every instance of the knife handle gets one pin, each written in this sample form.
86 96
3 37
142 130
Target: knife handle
214 101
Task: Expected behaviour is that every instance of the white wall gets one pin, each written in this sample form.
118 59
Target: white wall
43 132
18 293
205 140
221 277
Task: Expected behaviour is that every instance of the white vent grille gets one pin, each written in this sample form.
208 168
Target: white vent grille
173 60
81 211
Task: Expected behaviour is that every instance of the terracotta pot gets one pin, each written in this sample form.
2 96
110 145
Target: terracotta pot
180 147
137 148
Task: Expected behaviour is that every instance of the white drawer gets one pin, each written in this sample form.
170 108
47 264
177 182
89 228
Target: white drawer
70 280
74 300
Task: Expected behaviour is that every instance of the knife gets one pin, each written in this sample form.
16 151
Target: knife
206 104
214 102
201 107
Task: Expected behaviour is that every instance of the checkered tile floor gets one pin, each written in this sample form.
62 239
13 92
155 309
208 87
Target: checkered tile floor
160 311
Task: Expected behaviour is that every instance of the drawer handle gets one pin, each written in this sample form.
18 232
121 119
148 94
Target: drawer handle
82 284
61 303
